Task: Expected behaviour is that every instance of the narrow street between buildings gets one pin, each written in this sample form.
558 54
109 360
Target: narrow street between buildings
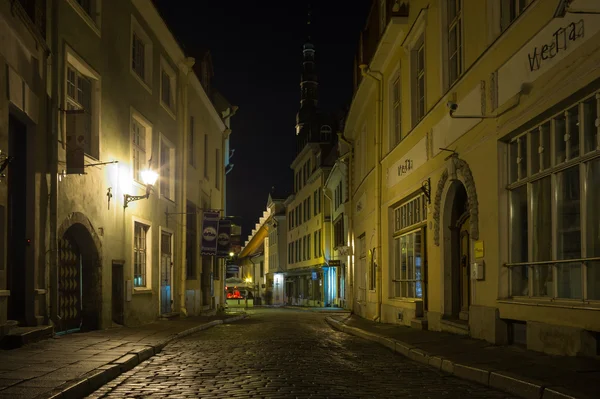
284 353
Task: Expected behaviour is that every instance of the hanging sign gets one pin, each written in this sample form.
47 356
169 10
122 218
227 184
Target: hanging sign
76 120
210 227
224 238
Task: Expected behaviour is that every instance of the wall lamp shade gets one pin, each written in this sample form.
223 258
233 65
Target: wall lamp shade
149 177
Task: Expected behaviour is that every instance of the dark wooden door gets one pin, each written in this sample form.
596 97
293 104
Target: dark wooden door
118 293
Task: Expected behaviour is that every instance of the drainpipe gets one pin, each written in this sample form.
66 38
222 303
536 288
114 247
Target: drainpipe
377 77
349 155
331 243
52 293
186 66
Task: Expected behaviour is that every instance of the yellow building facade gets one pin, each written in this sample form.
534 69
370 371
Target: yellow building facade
475 170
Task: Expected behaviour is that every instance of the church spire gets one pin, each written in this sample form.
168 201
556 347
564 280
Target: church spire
308 81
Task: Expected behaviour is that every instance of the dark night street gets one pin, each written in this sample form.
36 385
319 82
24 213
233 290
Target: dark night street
281 353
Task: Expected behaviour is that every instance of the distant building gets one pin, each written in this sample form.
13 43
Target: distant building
308 214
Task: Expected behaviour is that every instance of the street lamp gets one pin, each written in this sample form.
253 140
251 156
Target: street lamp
149 178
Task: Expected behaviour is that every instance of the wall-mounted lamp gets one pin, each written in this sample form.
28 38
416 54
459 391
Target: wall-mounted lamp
149 178
5 160
426 188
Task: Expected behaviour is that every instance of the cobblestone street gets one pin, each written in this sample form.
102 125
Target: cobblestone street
281 353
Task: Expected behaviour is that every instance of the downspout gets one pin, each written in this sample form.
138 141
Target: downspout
364 70
186 66
52 296
331 243
350 221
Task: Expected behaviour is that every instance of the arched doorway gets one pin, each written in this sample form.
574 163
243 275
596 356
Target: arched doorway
79 283
456 223
457 247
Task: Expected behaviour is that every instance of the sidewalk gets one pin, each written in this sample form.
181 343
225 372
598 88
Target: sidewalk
511 369
74 365
316 309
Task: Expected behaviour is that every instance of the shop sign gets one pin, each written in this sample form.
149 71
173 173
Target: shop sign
334 263
478 249
559 41
559 38
413 159
314 275
210 227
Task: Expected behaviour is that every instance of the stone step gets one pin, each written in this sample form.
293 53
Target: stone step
169 316
419 323
20 336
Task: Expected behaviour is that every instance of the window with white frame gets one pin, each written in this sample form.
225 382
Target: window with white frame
408 271
191 144
510 10
339 238
141 254
79 97
396 120
455 39
418 78
554 234
167 169
362 262
141 54
168 85
141 145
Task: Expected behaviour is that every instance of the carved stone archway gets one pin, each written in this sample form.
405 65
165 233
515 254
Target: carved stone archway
456 169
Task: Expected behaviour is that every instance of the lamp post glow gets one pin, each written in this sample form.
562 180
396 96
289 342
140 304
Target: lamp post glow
149 177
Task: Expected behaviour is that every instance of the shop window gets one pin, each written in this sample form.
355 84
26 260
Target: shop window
554 217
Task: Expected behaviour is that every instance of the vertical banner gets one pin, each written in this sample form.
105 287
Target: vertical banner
75 141
210 227
224 238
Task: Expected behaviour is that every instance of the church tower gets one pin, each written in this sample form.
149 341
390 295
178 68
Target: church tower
308 84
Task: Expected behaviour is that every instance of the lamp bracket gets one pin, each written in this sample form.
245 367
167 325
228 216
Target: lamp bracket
426 188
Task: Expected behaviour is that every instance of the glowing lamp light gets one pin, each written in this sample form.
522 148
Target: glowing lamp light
231 254
149 177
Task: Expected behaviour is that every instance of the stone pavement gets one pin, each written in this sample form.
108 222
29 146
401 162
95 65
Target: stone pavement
74 365
524 373
281 354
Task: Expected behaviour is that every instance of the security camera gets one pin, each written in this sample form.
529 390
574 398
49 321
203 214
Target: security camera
452 106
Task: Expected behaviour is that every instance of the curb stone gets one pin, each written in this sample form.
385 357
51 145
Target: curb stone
95 379
499 380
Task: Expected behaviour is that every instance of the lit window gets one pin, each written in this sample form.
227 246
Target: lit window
140 246
141 146
454 23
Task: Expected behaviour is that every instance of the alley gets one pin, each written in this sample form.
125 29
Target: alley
283 353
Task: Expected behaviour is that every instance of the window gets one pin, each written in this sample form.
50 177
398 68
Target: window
315 202
206 156
190 252
141 55
418 61
372 274
363 152
218 169
290 220
191 144
291 252
554 217
167 170
304 248
318 250
409 248
141 149
510 10
168 86
89 11
454 24
262 268
396 112
140 254
79 98
307 211
308 246
362 273
338 196
382 16
339 238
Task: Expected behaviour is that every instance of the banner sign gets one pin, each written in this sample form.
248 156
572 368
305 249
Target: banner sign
75 141
210 227
224 238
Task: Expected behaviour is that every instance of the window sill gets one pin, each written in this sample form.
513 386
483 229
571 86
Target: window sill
86 17
553 303
169 110
140 80
142 290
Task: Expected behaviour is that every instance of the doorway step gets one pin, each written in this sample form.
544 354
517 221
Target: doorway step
455 326
419 323
169 316
20 336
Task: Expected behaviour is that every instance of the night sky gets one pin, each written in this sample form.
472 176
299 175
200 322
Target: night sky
256 48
